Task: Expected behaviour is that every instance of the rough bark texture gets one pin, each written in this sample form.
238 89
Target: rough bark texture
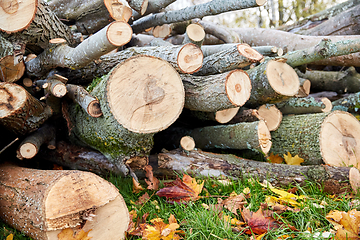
347 81
216 92
41 203
154 6
350 103
50 26
205 164
301 106
197 11
222 33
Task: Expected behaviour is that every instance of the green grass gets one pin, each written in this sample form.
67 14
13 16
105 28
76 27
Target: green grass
199 223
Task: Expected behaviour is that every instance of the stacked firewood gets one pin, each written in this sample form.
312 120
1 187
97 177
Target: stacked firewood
93 85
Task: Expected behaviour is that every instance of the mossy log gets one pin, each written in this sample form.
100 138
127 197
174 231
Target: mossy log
130 118
321 137
253 135
236 57
41 203
272 81
350 103
347 81
216 92
304 105
20 112
205 164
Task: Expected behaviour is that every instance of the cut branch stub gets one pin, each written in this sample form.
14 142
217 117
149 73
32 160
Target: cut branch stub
187 143
159 102
119 33
224 116
271 115
194 34
16 15
190 58
20 112
11 71
118 10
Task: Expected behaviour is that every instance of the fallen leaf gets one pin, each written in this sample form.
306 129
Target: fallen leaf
152 182
290 160
234 203
136 186
10 237
181 190
346 223
68 234
260 224
143 199
162 231
275 158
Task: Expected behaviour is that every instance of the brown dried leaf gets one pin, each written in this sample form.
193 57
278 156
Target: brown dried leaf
153 182
275 158
346 223
143 199
234 203
136 186
181 190
258 223
68 234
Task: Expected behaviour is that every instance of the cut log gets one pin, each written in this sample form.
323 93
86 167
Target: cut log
349 103
216 92
204 164
10 69
236 57
347 81
130 118
50 201
16 16
79 95
354 178
304 105
154 6
30 146
222 116
187 143
53 86
194 34
272 81
119 10
29 33
20 112
270 51
330 137
139 5
213 7
345 23
305 86
109 38
162 31
254 136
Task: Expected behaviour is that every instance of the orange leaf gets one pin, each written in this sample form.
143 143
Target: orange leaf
234 203
68 234
260 224
160 230
290 160
275 158
136 186
153 182
181 190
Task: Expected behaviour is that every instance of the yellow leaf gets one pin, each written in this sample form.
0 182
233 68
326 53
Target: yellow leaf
68 234
275 158
10 237
346 223
290 160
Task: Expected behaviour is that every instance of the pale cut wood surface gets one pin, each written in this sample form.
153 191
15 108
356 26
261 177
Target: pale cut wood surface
271 115
10 69
187 143
282 78
159 98
224 116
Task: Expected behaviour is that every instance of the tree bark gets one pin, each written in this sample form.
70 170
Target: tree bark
208 50
130 118
222 116
199 163
254 136
303 106
41 203
109 38
216 92
272 81
154 6
222 33
194 34
330 137
236 57
197 11
349 103
21 113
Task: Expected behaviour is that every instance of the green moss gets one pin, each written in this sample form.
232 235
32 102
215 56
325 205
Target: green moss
95 82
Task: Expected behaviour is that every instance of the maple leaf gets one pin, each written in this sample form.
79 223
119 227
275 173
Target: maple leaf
257 222
275 158
233 203
162 231
153 182
346 223
68 234
181 190
290 160
136 186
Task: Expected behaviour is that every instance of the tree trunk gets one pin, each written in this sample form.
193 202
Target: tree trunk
109 38
130 118
205 164
347 81
21 113
254 136
41 203
213 7
236 57
330 137
272 81
216 92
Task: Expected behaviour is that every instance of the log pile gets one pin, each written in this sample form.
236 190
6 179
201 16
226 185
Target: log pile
104 86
